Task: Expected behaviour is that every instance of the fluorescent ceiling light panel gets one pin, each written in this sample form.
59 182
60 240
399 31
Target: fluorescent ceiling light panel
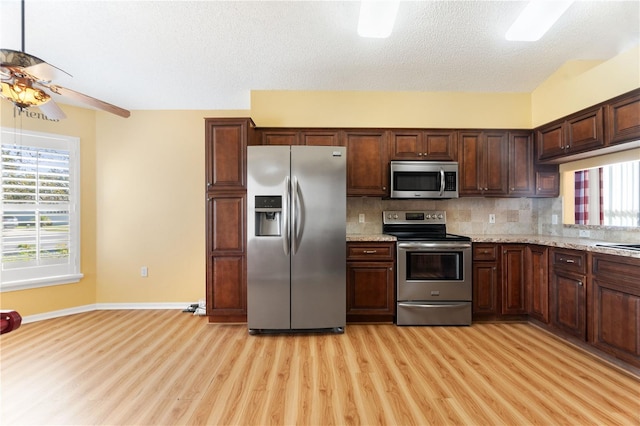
377 18
536 19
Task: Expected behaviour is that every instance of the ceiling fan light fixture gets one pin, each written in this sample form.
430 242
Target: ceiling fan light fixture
536 19
377 18
23 94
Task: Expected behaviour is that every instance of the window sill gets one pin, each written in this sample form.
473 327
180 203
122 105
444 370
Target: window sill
40 282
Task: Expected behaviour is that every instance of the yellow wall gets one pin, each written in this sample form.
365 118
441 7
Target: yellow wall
150 200
390 109
79 123
580 84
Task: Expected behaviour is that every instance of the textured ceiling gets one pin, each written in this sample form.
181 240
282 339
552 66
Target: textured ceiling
211 54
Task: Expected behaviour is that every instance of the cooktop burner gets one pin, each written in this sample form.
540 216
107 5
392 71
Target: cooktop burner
422 225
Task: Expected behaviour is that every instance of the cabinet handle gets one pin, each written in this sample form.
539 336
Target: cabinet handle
566 147
391 269
570 261
504 252
485 251
494 268
580 283
419 154
370 251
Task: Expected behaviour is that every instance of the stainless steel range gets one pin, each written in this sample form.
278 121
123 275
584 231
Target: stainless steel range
434 269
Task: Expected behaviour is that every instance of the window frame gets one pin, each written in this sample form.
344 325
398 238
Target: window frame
12 279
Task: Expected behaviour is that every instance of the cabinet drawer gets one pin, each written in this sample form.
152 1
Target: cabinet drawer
482 252
569 260
371 251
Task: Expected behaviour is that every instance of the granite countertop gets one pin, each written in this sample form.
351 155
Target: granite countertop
545 240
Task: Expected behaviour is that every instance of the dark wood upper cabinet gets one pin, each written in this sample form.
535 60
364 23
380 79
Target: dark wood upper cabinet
623 119
521 164
573 135
367 163
320 138
430 145
225 152
280 137
585 131
482 158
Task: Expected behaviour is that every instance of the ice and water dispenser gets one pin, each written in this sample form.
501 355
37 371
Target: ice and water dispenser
268 210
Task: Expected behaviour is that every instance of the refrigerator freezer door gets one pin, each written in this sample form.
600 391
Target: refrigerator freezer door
268 273
318 222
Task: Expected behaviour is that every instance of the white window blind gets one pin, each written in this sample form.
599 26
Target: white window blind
621 198
40 242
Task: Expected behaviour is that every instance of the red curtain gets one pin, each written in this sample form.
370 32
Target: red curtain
582 197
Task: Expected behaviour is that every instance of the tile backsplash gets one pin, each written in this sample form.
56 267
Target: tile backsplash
470 216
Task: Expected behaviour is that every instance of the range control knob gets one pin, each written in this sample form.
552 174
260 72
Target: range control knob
395 216
440 216
428 216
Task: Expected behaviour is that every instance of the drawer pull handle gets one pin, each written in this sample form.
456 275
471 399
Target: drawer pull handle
570 261
370 251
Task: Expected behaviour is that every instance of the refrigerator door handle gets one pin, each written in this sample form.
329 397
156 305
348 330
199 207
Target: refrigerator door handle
295 216
286 237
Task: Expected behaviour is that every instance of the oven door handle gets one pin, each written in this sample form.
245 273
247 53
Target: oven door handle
433 246
430 305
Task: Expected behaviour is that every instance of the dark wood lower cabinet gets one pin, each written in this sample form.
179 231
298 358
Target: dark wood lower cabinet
227 300
537 283
513 279
370 282
568 286
616 307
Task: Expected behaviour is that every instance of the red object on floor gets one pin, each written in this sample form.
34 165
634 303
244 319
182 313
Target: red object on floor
9 321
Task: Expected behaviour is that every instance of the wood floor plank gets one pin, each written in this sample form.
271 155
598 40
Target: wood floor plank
170 368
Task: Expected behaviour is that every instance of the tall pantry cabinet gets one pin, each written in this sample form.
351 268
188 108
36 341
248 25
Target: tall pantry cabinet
226 141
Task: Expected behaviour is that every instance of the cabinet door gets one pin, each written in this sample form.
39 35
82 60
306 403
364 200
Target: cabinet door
550 141
227 297
623 120
547 181
494 163
370 291
280 137
538 283
226 219
440 145
469 163
586 131
615 321
406 145
513 277
520 164
320 138
568 303
367 164
485 288
225 152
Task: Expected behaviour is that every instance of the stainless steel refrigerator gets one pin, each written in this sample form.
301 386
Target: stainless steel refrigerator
296 226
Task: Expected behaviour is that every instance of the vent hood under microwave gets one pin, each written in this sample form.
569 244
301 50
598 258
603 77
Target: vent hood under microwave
424 179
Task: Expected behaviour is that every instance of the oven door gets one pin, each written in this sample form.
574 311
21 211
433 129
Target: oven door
434 271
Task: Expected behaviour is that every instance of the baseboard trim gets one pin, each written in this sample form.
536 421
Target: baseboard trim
101 307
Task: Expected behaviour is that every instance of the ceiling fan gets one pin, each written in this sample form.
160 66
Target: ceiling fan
27 82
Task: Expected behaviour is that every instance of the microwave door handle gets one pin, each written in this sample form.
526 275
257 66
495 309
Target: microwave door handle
441 181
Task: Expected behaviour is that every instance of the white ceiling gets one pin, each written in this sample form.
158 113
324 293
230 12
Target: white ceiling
211 54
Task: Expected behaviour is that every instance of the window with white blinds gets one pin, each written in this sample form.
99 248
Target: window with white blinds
40 196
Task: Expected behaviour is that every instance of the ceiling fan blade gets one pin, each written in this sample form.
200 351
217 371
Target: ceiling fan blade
96 103
52 110
29 65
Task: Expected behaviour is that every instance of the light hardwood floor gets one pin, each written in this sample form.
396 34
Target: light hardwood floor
169 367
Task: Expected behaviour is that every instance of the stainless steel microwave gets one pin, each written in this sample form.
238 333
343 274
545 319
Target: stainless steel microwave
424 179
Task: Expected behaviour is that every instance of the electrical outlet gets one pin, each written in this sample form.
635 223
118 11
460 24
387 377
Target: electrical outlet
584 233
144 272
361 218
492 218
554 219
